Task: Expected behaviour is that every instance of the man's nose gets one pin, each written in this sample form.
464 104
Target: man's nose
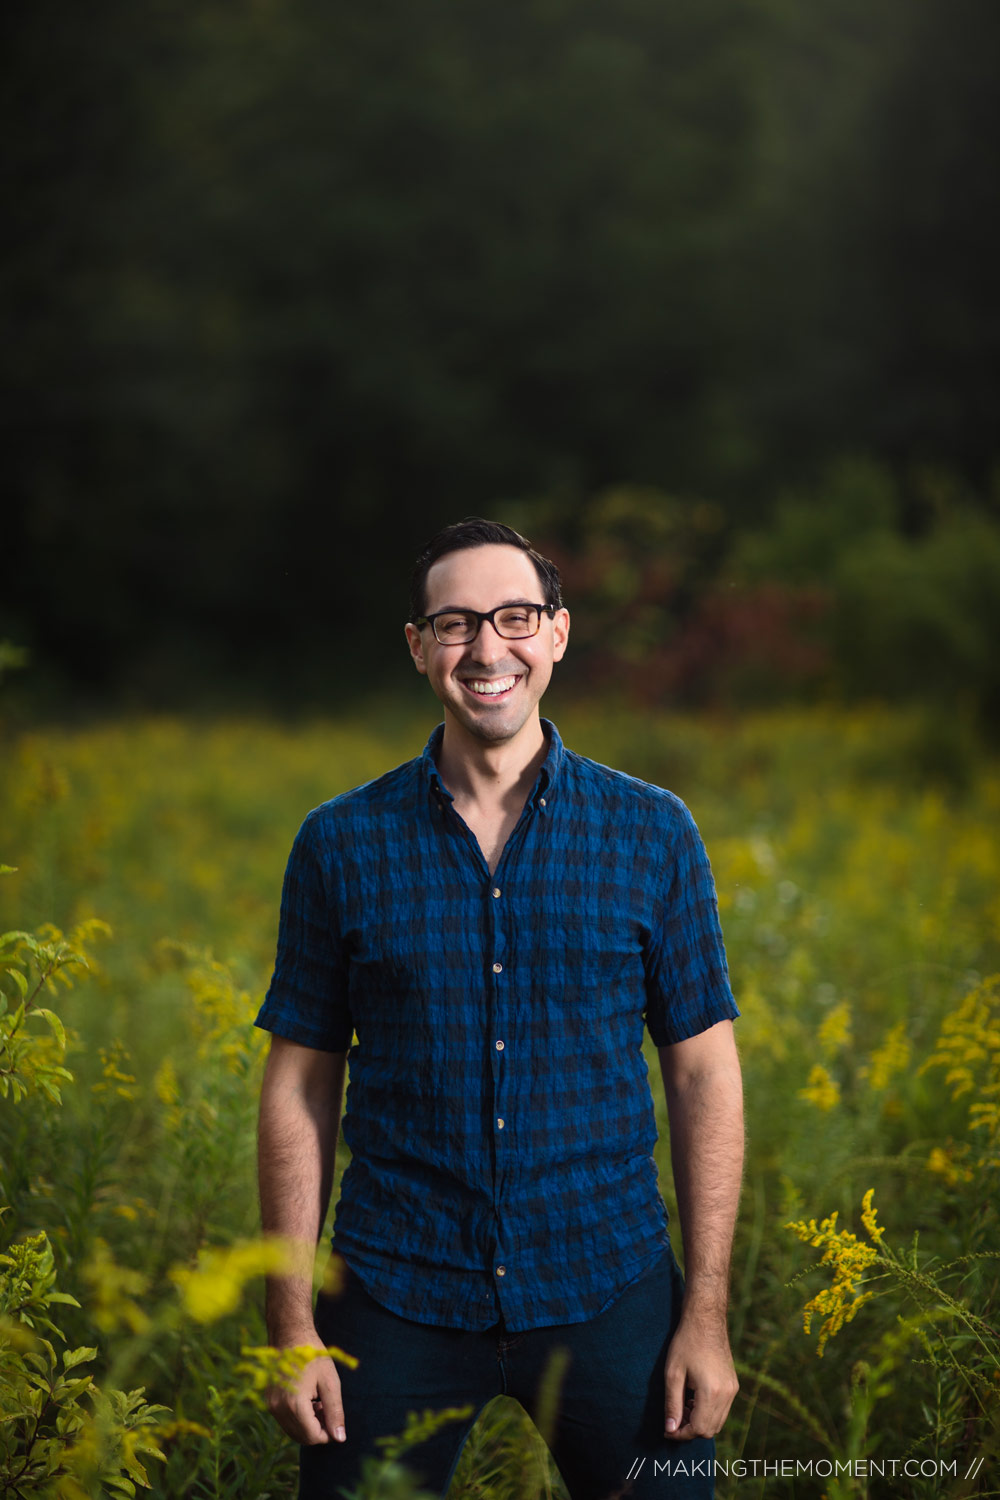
488 646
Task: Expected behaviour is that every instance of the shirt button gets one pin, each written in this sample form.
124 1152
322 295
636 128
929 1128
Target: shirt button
499 1046
541 801
498 968
499 1124
501 1270
496 892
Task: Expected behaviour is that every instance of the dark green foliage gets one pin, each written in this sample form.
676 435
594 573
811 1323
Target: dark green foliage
289 285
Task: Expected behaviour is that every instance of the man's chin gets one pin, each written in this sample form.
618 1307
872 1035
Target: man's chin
491 728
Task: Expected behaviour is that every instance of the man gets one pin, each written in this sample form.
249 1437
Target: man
496 921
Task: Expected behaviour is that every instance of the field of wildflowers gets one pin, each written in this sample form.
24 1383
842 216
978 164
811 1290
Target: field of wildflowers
857 859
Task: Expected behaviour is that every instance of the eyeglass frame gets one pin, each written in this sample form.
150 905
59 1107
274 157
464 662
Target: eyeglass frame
482 615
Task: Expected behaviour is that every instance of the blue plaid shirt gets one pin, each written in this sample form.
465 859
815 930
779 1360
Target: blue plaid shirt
498 1111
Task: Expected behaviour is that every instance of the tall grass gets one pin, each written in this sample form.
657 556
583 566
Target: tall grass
857 861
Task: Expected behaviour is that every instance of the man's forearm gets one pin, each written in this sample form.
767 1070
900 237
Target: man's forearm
297 1139
705 1107
705 1104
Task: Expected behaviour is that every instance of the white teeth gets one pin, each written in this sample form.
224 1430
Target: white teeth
491 689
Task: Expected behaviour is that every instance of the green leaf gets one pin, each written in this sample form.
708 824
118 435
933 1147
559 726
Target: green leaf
135 1468
55 1023
66 1391
19 979
74 1357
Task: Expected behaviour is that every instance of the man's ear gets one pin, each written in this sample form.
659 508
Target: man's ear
415 641
560 634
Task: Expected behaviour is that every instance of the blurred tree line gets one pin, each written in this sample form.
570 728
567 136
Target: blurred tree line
289 284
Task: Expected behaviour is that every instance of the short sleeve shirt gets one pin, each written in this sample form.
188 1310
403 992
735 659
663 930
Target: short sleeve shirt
498 1112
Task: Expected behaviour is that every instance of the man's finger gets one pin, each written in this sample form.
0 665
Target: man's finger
702 1417
329 1404
674 1413
309 1414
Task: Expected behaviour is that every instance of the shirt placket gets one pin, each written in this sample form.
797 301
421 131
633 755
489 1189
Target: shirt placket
497 954
503 1058
507 1066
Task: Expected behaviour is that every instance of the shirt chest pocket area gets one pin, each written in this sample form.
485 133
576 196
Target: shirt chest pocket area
404 968
593 965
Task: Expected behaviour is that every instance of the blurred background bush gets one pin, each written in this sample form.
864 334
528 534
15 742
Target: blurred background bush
702 297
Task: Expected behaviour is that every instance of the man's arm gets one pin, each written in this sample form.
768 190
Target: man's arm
701 1077
297 1140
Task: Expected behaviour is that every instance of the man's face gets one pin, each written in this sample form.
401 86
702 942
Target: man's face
465 677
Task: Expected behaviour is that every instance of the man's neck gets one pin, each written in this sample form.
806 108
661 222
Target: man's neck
491 775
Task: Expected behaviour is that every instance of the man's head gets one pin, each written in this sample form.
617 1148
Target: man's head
489 673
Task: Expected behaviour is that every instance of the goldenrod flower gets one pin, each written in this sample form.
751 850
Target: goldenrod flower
114 1080
946 1164
213 1287
266 1366
116 1293
821 1090
868 1217
168 1090
850 1258
835 1031
969 1048
892 1057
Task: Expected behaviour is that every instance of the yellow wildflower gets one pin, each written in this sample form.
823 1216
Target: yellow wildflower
821 1090
947 1165
850 1258
222 1012
969 1048
868 1217
266 1366
165 1083
114 1080
892 1057
115 1293
87 932
168 1091
213 1287
835 1031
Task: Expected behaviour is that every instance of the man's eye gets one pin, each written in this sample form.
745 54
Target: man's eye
454 625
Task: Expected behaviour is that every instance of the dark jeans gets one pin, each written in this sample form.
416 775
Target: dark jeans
609 1415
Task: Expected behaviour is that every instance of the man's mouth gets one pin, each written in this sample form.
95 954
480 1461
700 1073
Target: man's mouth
489 687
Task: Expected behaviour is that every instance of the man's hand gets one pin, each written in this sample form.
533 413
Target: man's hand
700 1379
312 1410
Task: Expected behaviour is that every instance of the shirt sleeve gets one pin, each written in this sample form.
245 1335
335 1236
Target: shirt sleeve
687 977
307 1000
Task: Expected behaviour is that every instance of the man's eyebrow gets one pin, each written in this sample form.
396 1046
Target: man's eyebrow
466 609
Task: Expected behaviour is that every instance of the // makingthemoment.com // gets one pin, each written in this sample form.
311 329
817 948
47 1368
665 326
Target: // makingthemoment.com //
798 1468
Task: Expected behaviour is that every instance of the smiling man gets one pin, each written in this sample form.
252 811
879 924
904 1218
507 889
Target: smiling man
493 925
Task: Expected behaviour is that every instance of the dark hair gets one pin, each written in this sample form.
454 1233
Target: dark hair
475 532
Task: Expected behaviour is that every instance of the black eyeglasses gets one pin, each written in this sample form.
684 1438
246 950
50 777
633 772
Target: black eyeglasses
514 622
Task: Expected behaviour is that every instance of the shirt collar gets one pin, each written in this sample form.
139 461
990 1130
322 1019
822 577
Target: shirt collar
547 774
